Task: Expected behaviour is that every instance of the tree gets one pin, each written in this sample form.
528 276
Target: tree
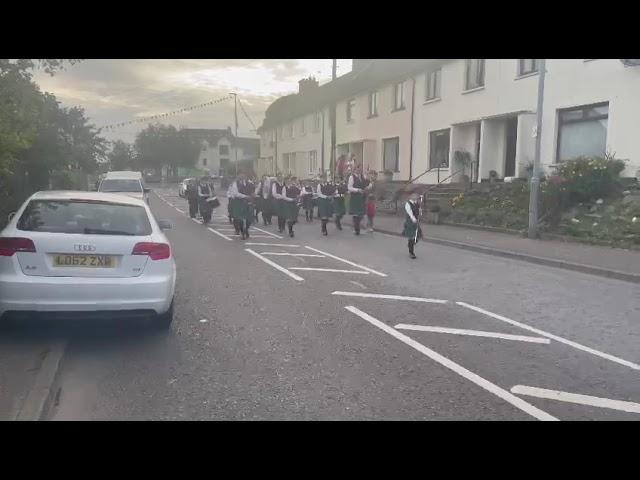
163 146
121 156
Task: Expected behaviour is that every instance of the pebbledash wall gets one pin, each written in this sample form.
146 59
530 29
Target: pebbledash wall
477 119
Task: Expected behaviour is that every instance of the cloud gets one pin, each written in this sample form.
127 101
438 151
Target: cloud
113 91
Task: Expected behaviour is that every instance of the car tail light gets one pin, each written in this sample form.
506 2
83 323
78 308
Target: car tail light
11 245
155 251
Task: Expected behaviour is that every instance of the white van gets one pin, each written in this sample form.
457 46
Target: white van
127 183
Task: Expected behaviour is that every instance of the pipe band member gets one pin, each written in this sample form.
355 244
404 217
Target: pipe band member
325 193
291 195
240 193
264 200
358 188
339 207
307 201
412 229
278 201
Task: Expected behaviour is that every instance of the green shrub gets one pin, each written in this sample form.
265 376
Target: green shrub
590 178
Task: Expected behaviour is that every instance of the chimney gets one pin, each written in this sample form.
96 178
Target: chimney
306 85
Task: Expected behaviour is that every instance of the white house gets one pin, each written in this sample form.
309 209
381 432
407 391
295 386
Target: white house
295 136
488 109
219 148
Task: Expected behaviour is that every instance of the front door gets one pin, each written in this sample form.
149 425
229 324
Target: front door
512 137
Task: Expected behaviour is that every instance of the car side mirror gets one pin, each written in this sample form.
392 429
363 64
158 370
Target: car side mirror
165 225
11 215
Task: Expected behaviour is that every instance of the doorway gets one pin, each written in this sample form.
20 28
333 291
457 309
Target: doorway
511 141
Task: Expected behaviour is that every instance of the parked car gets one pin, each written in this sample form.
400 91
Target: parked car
86 254
127 183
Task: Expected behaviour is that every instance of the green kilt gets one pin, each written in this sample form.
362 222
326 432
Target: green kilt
241 209
291 211
325 208
338 206
266 206
356 205
280 207
409 229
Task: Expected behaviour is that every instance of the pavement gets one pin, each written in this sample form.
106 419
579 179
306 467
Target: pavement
605 261
348 327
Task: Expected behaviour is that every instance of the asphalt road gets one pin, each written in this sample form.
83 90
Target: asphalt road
256 341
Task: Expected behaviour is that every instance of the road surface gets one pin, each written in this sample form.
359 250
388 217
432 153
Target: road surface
350 328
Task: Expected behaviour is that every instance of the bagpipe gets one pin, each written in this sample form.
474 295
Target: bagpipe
213 202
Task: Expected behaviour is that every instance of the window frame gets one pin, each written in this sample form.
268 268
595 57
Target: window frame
313 154
220 152
373 112
438 83
384 151
430 149
585 118
317 121
535 66
350 106
303 128
481 82
403 105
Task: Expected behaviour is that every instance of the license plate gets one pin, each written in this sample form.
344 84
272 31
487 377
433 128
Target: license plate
84 261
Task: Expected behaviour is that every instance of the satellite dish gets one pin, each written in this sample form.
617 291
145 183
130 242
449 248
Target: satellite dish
631 62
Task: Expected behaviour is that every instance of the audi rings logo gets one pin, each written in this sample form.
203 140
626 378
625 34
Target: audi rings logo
83 247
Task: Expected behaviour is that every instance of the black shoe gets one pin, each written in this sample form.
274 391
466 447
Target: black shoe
413 255
325 233
291 234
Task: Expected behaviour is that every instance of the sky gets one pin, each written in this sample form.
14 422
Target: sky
114 91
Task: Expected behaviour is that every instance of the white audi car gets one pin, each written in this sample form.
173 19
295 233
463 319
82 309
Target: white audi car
86 255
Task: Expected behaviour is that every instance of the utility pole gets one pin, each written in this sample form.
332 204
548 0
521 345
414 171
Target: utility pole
332 121
235 116
535 178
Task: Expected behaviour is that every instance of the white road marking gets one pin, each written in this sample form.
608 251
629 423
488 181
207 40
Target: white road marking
226 229
181 211
265 231
271 244
275 265
553 337
329 270
459 369
473 333
347 262
630 407
389 297
287 254
220 234
197 221
358 284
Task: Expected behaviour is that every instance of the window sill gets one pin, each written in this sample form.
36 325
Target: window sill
432 100
471 90
372 116
398 109
526 75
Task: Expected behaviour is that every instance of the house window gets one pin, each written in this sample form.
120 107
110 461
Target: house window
439 149
313 162
285 162
204 162
351 105
303 128
526 66
432 85
316 122
373 104
474 73
291 133
391 154
582 131
204 147
398 96
223 149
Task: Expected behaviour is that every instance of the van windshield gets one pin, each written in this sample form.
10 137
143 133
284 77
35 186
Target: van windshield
121 185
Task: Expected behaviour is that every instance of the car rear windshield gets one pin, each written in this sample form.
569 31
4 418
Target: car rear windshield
120 185
84 216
